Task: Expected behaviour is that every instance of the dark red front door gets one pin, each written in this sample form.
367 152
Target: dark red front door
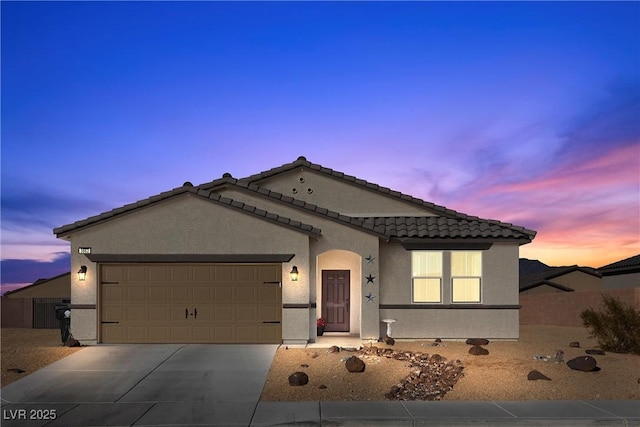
335 300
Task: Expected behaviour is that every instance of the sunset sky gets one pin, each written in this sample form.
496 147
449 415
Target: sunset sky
523 112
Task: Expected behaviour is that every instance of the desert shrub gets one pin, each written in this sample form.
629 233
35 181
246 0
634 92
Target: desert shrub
617 327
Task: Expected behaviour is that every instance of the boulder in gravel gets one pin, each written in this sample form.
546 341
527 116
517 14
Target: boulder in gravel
537 375
476 350
298 379
388 340
72 342
477 341
595 352
559 356
575 344
583 363
354 364
333 349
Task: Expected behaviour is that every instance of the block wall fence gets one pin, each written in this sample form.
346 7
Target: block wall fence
564 308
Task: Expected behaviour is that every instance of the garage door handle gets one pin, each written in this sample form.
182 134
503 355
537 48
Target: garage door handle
106 321
271 321
186 313
195 313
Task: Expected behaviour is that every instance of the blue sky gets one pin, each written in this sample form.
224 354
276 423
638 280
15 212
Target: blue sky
524 112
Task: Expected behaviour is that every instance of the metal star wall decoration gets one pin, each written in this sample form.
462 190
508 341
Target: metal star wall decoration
369 297
370 278
370 259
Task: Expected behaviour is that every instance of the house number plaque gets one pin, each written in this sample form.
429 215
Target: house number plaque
84 250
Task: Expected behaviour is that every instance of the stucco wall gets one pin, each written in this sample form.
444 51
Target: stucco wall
452 323
60 287
564 309
187 225
621 281
339 196
334 236
499 275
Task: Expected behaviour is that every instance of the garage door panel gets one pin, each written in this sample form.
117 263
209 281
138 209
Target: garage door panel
158 294
180 274
246 274
268 294
245 294
270 273
160 314
223 273
137 293
224 313
158 334
112 273
180 293
247 313
136 274
202 274
136 313
136 333
267 314
223 333
223 294
231 301
202 294
158 273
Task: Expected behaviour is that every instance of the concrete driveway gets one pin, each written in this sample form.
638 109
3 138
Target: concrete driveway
145 384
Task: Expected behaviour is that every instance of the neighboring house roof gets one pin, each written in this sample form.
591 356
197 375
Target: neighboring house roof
529 281
449 223
37 283
188 189
625 266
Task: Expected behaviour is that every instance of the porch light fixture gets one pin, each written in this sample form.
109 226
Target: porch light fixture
82 273
294 274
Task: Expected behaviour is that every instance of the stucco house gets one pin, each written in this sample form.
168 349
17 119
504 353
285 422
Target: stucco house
622 274
33 306
561 279
259 259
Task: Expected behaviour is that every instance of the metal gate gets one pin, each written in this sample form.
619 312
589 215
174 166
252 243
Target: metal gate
44 312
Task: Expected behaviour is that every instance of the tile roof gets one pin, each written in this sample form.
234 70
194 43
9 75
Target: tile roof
447 224
627 263
443 227
528 281
188 189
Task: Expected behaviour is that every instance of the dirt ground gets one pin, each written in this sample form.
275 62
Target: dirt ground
500 375
29 350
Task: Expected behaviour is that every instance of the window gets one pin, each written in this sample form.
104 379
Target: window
466 276
426 275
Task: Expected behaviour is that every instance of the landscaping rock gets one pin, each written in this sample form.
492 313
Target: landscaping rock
537 375
333 349
595 352
575 344
298 379
476 350
477 341
559 357
322 386
355 364
16 370
583 363
304 365
388 340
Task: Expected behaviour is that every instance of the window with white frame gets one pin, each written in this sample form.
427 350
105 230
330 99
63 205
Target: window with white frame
466 276
426 276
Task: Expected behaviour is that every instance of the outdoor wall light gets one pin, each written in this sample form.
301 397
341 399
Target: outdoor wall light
294 274
82 273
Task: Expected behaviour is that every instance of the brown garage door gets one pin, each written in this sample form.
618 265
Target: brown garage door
194 303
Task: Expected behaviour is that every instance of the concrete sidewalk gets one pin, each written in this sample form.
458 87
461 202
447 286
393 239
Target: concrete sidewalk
383 413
